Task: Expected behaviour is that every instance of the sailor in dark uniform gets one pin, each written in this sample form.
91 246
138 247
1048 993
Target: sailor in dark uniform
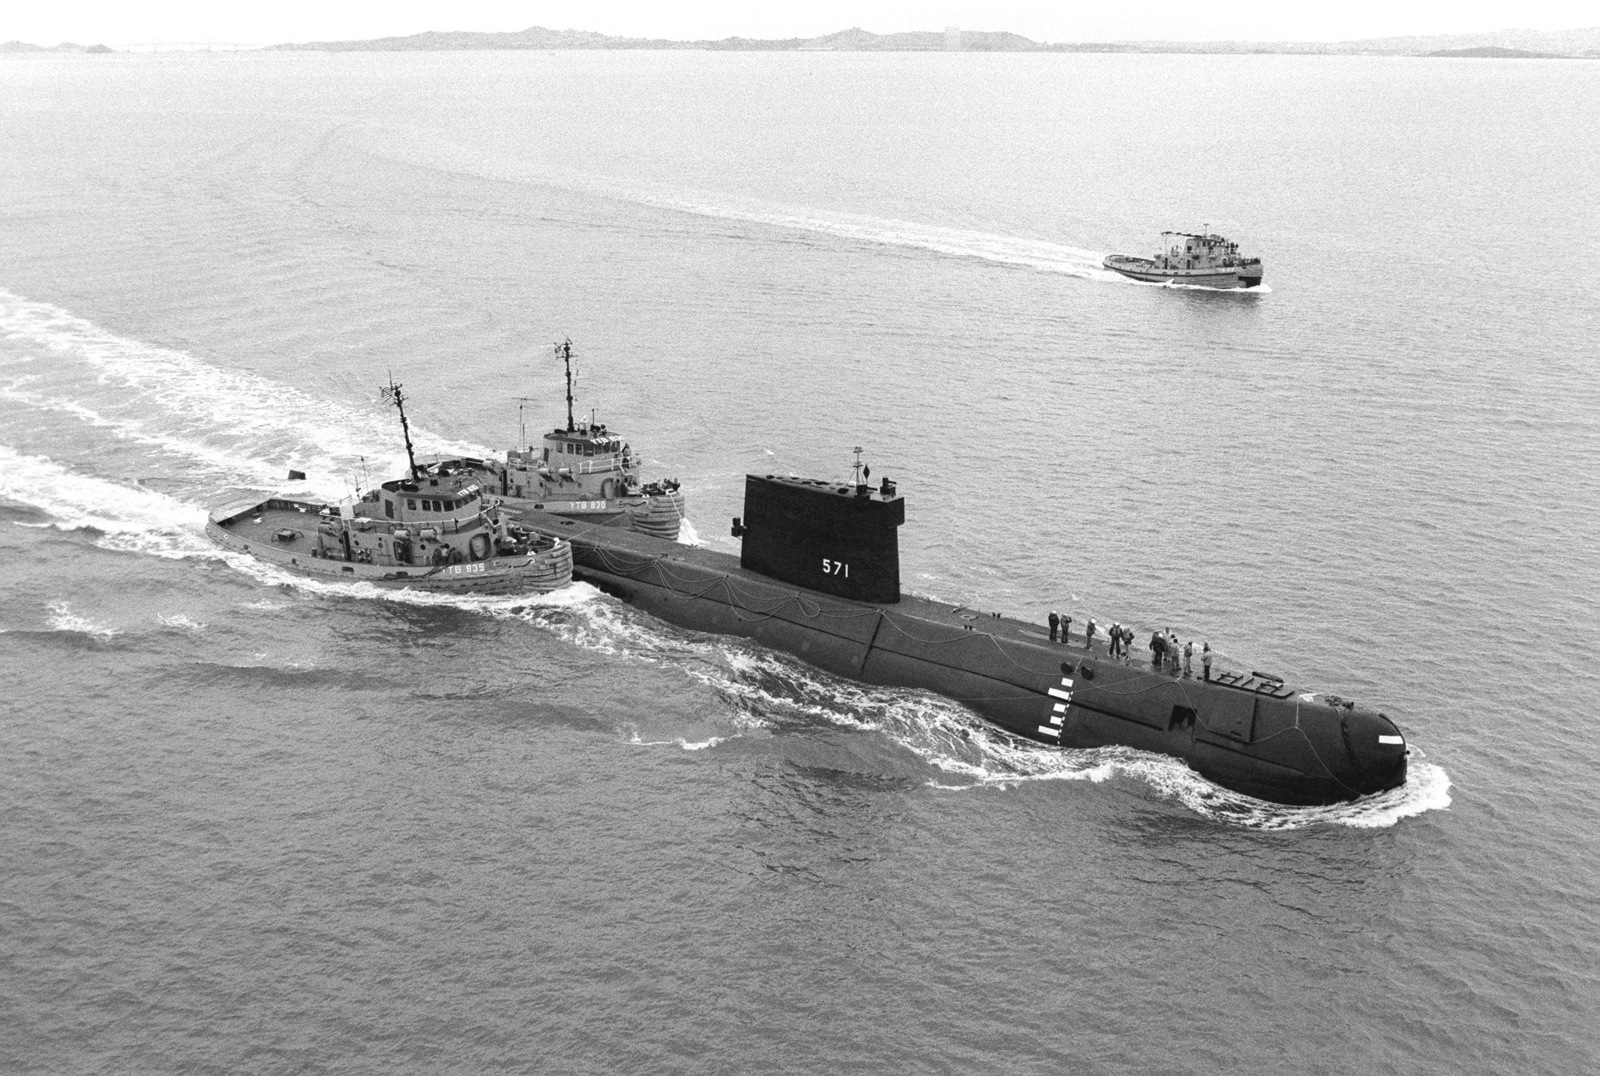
1055 623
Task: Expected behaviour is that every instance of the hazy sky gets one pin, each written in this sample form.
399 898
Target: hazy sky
121 22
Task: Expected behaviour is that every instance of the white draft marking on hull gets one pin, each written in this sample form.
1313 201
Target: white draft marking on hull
1048 731
1064 696
1392 739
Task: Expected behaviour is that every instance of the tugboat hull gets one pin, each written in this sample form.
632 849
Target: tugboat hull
659 515
285 533
1250 735
1146 270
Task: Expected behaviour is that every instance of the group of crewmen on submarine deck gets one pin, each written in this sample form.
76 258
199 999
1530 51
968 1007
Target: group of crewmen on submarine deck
1165 653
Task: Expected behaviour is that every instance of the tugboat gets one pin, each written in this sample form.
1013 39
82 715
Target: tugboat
1204 260
584 471
432 530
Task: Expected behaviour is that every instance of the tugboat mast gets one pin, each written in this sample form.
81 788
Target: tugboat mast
564 349
392 394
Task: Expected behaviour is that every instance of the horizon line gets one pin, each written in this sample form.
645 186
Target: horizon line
240 46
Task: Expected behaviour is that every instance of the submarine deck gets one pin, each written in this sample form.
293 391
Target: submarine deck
986 622
1244 731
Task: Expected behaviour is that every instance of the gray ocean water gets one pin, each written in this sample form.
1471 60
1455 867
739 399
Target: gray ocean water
255 824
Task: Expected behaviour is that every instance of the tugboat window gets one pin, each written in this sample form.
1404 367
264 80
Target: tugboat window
388 507
411 503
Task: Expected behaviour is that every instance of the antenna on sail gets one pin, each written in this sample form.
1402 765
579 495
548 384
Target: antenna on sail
391 394
856 479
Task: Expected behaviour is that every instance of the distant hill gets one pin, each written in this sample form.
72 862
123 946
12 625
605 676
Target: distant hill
1501 44
1495 52
854 39
65 46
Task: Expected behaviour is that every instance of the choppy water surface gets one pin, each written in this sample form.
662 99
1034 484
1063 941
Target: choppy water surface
254 823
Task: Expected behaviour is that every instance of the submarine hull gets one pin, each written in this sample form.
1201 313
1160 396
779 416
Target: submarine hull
1253 736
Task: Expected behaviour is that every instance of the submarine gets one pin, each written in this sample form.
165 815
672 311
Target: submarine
818 576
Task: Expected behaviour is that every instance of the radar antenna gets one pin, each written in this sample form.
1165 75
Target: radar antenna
391 394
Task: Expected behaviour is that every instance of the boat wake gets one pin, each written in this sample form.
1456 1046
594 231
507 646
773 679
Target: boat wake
991 247
230 426
74 501
166 403
884 231
765 690
955 749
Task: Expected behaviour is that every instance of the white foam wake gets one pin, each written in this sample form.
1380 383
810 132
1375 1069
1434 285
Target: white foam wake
62 618
865 228
233 421
886 231
769 690
74 500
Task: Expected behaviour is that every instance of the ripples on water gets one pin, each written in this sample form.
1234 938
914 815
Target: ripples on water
265 822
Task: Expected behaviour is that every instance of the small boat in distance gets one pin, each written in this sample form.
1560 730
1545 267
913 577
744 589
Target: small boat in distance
430 530
1204 260
584 471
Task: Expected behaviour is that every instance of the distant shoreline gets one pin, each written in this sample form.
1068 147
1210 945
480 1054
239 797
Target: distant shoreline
1501 44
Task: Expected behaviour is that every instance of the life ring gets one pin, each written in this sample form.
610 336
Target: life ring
478 548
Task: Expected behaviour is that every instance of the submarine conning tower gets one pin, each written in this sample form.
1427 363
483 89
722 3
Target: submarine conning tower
839 538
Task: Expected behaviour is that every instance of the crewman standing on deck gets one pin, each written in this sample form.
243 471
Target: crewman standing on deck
1205 660
1055 624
